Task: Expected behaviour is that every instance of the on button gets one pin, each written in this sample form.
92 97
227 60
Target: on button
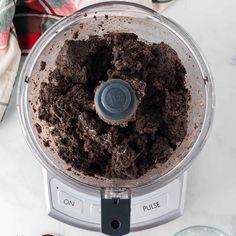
69 202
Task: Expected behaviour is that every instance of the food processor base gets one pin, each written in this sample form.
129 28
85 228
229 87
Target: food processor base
72 206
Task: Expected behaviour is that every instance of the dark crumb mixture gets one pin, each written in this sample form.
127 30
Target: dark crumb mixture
87 143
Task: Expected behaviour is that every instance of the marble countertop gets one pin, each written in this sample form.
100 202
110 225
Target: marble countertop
211 192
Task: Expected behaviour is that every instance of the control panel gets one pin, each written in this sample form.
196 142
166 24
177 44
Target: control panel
77 208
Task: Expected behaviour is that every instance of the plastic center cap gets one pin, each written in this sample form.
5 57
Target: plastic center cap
116 97
115 100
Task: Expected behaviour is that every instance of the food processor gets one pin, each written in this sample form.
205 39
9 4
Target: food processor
116 206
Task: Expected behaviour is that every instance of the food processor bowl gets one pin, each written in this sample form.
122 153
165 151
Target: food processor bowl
149 26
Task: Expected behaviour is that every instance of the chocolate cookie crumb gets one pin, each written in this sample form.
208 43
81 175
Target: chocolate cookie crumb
27 79
81 26
38 128
34 109
46 143
75 35
206 80
42 65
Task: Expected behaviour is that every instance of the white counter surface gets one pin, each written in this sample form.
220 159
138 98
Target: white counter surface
211 193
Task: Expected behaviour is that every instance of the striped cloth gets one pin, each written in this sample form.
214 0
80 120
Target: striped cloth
30 25
29 19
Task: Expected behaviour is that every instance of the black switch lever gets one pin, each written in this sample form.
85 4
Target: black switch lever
115 216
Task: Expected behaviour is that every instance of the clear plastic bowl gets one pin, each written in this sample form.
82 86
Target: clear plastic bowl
201 230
